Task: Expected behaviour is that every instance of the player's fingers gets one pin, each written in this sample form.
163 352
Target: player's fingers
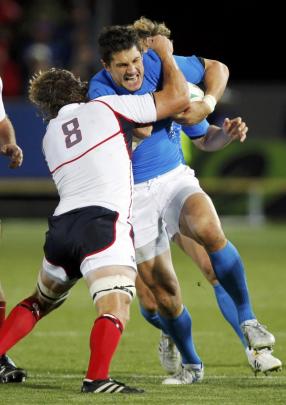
15 153
3 149
243 135
226 124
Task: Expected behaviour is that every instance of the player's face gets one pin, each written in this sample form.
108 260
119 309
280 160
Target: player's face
126 69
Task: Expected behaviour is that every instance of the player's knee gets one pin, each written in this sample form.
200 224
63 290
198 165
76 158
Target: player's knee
210 234
112 284
169 299
167 286
48 298
169 306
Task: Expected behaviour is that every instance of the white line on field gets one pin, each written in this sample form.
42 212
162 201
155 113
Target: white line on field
49 376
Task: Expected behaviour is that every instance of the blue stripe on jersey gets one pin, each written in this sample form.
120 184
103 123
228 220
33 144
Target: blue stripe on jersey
161 152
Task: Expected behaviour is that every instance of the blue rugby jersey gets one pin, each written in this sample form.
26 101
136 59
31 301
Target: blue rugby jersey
161 152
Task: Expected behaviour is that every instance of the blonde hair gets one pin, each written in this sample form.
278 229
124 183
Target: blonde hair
148 28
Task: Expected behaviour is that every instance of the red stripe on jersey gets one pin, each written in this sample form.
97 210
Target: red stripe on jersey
118 113
131 189
114 111
87 151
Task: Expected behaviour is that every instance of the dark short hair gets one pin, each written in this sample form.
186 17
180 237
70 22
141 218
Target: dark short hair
117 38
54 88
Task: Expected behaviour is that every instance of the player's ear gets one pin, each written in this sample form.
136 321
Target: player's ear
104 64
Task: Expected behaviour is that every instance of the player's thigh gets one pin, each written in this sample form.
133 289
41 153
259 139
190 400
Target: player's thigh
159 274
155 247
199 219
118 254
180 185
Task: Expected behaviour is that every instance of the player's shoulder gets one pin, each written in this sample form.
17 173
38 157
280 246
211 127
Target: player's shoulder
100 85
152 70
151 56
192 59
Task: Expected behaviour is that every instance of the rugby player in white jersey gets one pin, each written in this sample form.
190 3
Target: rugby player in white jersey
9 148
87 147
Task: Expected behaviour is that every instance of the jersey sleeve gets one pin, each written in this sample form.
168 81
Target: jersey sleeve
99 87
192 68
140 109
196 131
2 109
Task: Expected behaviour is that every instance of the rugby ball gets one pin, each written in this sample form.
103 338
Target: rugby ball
195 93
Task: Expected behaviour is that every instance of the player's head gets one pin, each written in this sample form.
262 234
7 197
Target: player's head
122 56
55 88
146 28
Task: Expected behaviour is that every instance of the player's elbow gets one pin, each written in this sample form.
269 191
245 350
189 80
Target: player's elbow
222 68
218 68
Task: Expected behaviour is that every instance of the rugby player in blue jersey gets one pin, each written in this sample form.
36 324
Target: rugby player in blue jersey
261 360
168 198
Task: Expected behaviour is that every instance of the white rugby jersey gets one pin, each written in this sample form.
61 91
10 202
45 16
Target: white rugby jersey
2 109
87 148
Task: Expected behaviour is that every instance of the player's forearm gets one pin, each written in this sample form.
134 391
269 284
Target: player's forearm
7 133
174 81
215 139
174 96
216 77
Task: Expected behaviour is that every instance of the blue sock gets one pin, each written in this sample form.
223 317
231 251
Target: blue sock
229 270
228 309
153 319
180 329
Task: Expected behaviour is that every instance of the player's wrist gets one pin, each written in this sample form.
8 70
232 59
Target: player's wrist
165 54
210 101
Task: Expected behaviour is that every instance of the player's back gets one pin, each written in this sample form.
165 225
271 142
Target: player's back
87 154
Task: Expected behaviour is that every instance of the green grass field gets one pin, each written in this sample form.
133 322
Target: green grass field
56 352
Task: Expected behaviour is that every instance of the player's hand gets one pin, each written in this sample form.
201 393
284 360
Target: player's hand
14 152
197 111
160 44
235 128
142 132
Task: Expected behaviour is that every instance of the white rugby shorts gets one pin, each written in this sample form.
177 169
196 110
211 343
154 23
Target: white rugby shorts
157 206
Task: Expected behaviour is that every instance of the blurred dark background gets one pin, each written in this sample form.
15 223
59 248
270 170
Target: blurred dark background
246 35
